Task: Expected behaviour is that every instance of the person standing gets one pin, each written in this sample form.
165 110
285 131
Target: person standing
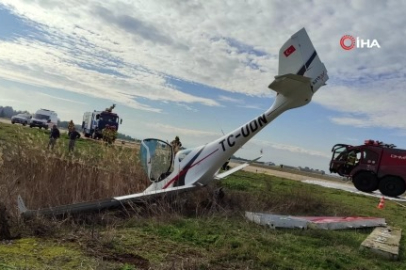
73 136
176 145
55 134
71 126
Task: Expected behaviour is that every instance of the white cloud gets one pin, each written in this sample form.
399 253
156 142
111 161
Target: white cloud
230 47
252 107
373 104
230 99
137 52
63 99
164 128
290 148
188 108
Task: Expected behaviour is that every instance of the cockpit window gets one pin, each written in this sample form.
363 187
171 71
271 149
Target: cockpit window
156 158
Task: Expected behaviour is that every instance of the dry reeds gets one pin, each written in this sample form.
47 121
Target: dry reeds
49 178
97 171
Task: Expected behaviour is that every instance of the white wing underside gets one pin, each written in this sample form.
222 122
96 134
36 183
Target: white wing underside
235 169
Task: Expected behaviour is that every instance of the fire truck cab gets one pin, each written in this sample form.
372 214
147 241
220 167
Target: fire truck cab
371 166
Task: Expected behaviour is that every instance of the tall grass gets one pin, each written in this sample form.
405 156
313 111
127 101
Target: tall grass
49 178
205 229
97 171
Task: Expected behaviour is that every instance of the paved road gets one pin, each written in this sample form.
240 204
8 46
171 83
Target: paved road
4 120
277 173
345 186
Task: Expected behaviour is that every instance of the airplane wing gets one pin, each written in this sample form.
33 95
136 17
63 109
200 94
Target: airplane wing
110 203
235 169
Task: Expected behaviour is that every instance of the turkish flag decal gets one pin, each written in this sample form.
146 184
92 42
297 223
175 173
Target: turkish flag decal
289 50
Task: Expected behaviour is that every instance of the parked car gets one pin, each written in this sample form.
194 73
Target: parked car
23 119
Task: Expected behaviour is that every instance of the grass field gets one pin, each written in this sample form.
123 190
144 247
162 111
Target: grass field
195 231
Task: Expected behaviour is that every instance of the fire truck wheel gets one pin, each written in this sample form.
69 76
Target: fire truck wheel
365 181
392 186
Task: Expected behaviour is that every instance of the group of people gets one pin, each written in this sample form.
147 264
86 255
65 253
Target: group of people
55 134
109 133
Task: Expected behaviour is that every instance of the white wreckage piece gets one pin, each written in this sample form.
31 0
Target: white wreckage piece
300 74
311 222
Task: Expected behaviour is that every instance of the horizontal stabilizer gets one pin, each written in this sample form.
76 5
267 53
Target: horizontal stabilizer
289 84
235 169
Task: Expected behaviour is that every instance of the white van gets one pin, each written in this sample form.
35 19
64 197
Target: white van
44 118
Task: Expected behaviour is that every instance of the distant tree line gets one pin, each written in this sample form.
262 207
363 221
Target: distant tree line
307 169
8 112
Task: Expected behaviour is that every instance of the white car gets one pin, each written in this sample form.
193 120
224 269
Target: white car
23 119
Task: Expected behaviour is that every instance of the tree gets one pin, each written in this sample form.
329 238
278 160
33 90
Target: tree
2 115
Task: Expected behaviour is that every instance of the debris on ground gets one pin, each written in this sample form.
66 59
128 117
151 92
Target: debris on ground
311 222
384 241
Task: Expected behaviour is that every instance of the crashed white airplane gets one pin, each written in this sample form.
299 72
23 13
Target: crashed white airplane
300 75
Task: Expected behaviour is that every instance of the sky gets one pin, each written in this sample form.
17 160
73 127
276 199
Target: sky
197 69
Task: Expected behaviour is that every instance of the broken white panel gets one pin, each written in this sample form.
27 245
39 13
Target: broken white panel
384 241
277 221
340 223
310 222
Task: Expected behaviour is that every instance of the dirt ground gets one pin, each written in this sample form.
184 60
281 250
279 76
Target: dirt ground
4 120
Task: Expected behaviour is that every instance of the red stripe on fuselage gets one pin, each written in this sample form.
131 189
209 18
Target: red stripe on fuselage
182 172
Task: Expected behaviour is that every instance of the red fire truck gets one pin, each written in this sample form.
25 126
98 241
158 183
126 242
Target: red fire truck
372 166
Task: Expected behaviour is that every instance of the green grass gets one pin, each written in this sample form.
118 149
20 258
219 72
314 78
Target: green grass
196 232
89 150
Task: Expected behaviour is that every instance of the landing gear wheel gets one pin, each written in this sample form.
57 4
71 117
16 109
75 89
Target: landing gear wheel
392 186
365 181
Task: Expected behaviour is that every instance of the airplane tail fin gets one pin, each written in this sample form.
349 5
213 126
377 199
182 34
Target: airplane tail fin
301 72
298 56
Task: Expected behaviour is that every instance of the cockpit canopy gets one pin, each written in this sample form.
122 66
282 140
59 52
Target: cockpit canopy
156 158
